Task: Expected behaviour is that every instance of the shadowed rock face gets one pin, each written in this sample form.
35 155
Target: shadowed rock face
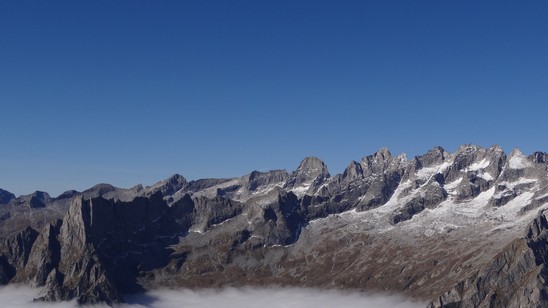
97 250
6 196
463 229
37 199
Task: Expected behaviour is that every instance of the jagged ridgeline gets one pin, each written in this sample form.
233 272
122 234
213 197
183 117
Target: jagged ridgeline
457 229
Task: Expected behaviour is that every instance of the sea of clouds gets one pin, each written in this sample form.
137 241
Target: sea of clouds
18 296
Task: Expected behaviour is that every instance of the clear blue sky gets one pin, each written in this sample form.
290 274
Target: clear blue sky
129 92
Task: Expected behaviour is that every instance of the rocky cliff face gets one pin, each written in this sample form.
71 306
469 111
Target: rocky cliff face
461 229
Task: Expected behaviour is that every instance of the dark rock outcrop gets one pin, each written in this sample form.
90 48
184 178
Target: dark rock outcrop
5 196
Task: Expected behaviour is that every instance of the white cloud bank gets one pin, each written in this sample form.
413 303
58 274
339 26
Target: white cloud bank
227 298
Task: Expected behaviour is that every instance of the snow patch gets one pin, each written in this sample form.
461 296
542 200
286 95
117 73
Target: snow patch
222 222
428 172
193 230
511 185
518 161
474 207
266 189
452 185
542 197
212 191
484 163
486 176
301 190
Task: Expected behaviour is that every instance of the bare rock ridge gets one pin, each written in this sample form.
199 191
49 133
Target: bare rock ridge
457 229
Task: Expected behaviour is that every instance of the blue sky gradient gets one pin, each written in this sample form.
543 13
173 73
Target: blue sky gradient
129 92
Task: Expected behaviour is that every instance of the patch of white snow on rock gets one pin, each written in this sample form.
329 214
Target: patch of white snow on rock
518 161
484 163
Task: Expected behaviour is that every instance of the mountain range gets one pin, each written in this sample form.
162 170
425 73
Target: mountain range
463 229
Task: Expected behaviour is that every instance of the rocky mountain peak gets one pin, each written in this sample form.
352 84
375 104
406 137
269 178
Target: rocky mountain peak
41 196
382 154
435 156
376 163
309 169
470 157
176 179
68 194
496 148
517 160
539 157
6 196
312 167
311 173
168 186
353 171
516 151
98 190
37 199
468 148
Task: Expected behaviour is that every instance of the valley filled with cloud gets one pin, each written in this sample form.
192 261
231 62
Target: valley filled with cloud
19 296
